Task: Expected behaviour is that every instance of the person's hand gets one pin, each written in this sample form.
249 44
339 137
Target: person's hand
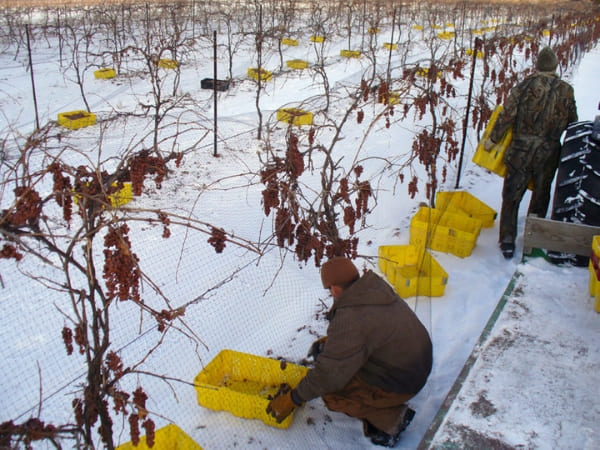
488 145
281 406
317 348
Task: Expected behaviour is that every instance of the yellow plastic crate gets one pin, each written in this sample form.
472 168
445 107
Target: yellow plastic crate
290 42
470 52
444 231
297 64
595 281
393 98
119 198
596 246
350 53
265 75
123 196
168 63
424 72
243 384
105 73
76 119
390 46
462 202
317 39
493 160
412 270
446 35
170 437
295 116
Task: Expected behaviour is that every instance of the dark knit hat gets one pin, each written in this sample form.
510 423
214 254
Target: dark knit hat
339 271
546 60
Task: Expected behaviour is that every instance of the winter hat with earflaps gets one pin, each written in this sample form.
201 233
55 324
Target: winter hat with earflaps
338 271
546 60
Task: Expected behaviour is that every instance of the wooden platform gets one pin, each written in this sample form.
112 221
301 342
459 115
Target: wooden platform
558 236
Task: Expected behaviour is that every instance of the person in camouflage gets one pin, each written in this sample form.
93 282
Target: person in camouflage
538 109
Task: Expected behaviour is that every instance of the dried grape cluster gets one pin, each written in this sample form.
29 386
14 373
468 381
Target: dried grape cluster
293 158
360 115
268 176
165 316
79 338
313 234
217 239
413 186
144 164
67 336
90 408
121 270
62 190
426 148
32 430
114 363
164 219
362 199
27 208
9 251
120 401
139 401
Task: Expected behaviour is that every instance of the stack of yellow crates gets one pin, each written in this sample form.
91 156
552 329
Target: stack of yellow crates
462 202
452 227
412 270
444 231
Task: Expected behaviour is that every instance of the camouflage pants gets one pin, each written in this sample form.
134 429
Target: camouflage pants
527 162
384 410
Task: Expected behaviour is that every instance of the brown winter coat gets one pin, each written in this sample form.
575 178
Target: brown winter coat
372 333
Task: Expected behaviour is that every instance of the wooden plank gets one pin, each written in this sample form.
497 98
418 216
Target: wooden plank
573 238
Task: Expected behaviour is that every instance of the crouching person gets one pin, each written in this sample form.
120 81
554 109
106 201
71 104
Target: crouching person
376 357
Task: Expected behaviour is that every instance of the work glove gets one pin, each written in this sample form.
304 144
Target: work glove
317 348
282 404
488 145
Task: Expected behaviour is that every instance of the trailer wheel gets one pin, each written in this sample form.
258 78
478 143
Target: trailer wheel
577 187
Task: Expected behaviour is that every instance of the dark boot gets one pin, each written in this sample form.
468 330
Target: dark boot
384 439
508 249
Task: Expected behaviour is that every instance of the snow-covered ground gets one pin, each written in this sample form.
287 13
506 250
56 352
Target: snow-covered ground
269 306
533 380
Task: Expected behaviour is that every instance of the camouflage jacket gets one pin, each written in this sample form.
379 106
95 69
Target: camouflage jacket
541 106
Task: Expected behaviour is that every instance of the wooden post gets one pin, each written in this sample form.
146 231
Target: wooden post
389 75
37 119
466 121
215 89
